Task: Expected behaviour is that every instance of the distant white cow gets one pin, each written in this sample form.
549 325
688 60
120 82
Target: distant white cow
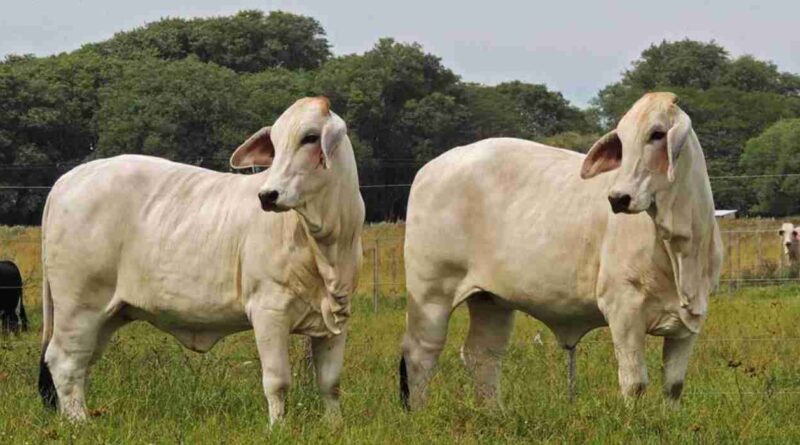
191 251
506 225
791 244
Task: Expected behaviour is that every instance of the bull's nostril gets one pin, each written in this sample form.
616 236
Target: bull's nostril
619 203
268 199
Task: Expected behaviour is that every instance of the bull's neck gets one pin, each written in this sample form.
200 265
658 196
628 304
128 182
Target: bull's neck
334 219
681 212
333 213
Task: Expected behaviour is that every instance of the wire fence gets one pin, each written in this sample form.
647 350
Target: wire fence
752 257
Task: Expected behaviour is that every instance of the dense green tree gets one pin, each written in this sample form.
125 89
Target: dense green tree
776 151
194 89
270 92
47 123
684 63
184 110
522 110
747 73
572 140
433 123
492 114
689 64
247 42
372 91
543 112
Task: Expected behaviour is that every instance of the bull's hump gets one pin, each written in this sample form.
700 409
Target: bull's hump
499 159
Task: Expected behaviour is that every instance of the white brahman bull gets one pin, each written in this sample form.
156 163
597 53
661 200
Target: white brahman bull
791 243
190 251
506 224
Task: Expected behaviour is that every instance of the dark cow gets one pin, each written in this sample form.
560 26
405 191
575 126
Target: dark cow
12 311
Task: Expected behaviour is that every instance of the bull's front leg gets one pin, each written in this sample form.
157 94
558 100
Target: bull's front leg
328 355
272 330
676 354
628 333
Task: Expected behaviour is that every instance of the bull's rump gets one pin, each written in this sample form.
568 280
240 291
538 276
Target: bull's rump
512 217
10 276
158 236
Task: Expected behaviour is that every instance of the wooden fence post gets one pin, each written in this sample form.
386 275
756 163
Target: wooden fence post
760 254
730 260
394 256
739 261
375 276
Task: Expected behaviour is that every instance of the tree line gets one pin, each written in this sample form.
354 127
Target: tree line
192 90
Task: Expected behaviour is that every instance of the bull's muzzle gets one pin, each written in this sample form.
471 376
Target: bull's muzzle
620 202
268 199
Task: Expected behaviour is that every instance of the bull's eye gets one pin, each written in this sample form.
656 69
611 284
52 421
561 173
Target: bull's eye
657 136
310 139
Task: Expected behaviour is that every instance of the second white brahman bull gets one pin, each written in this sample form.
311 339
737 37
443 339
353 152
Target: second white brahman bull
506 224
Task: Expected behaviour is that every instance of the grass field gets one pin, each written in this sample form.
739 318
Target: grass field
743 383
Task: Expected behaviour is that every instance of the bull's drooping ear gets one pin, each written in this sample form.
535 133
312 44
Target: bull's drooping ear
676 139
332 134
256 151
605 155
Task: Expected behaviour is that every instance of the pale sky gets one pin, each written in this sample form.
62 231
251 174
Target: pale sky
573 47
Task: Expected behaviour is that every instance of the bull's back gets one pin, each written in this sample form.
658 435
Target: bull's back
508 216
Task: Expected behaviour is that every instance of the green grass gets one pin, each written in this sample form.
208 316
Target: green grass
147 389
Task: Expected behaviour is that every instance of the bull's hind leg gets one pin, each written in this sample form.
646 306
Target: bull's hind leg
676 354
426 332
76 336
490 329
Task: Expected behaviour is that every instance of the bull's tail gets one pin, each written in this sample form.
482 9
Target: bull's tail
46 387
404 394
